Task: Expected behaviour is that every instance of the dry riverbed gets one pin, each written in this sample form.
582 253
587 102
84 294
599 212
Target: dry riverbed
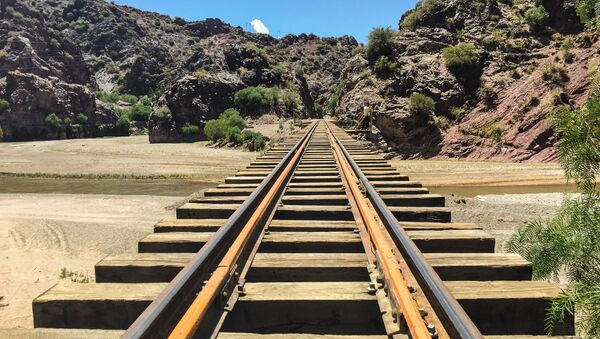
43 230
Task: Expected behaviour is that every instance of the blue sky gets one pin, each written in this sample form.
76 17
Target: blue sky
281 17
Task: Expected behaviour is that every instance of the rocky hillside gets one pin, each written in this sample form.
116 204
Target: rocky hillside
519 60
57 54
458 79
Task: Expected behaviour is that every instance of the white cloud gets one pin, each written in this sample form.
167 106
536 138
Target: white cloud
259 26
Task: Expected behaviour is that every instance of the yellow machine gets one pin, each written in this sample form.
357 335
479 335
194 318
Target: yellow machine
364 123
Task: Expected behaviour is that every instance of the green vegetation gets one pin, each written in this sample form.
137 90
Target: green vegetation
487 93
137 112
81 118
290 101
189 130
567 44
462 59
77 277
385 66
279 70
412 18
492 130
201 73
299 71
123 123
536 17
457 112
381 43
229 127
570 241
478 5
145 100
556 74
215 129
361 49
162 112
338 90
421 105
108 97
256 100
496 39
589 13
319 110
54 122
1 133
4 105
129 98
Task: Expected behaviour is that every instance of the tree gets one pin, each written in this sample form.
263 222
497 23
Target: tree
570 241
381 43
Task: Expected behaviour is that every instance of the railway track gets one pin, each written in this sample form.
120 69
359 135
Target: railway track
320 236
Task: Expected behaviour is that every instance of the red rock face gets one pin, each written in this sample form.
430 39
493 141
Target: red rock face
527 134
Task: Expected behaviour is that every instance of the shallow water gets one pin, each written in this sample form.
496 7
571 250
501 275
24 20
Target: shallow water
472 191
170 187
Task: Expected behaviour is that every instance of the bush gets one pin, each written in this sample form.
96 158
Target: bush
145 100
278 70
1 133
291 101
256 100
139 112
233 134
319 110
162 112
129 98
108 97
457 112
81 118
412 18
567 44
461 59
385 66
189 130
421 105
54 122
496 39
536 17
299 70
338 90
555 74
123 122
487 93
254 140
492 130
217 129
589 13
381 43
4 105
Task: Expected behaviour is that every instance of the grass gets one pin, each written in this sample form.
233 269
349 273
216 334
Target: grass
112 176
75 276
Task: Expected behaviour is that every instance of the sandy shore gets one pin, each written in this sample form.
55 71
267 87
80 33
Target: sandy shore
42 233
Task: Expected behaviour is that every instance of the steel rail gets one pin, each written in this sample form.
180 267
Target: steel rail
188 325
457 322
158 317
399 287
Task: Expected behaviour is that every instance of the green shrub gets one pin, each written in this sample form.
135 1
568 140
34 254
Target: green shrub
556 74
278 70
254 140
412 18
108 97
457 112
129 98
233 135
487 93
319 110
189 130
217 129
299 70
338 90
385 66
4 105
461 59
162 112
421 105
536 17
567 44
359 50
381 43
1 133
123 122
492 130
496 39
139 112
589 13
81 118
256 100
145 100
201 73
290 100
54 122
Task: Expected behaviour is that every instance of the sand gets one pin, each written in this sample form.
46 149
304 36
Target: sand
42 233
